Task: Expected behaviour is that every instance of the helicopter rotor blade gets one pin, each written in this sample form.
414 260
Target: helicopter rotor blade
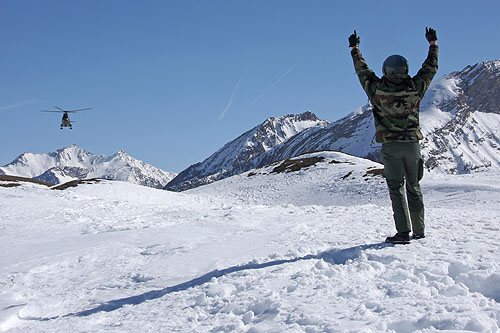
51 111
59 108
78 110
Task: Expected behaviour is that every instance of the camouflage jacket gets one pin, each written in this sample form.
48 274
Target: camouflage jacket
396 98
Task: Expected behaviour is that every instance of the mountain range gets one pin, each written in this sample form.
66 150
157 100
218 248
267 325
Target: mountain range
73 162
460 119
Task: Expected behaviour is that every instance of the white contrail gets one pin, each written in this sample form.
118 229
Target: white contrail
230 102
16 105
272 85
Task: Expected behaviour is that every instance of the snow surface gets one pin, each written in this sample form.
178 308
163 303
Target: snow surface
258 252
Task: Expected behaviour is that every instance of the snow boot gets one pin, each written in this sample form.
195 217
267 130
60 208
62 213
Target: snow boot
418 236
399 238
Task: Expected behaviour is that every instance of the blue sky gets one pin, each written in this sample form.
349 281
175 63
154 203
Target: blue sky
173 81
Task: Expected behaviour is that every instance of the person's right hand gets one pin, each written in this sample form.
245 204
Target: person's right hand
353 40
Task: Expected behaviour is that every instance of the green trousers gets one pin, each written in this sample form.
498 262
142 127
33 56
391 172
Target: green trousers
403 164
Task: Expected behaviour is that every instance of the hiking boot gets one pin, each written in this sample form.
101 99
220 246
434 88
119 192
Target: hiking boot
418 236
399 238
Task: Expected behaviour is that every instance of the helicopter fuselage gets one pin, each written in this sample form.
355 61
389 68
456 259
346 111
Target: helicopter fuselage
65 122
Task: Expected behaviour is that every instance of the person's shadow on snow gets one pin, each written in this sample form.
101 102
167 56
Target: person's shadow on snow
333 256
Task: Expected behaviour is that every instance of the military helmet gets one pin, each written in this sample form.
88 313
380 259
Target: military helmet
395 64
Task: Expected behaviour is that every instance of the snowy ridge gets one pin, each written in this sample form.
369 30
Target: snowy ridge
74 162
315 174
235 256
243 153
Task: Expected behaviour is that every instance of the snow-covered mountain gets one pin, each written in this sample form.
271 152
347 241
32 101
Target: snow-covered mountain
460 119
243 153
74 162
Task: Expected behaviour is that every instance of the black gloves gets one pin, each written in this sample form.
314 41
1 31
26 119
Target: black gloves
354 39
430 34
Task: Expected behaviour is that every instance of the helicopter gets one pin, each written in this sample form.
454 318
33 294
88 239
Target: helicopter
65 122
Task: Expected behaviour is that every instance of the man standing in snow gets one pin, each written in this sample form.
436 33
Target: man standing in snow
396 105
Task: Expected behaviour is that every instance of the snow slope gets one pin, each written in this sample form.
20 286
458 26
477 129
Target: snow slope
73 162
265 251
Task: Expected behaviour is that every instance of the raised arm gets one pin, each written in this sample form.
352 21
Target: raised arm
366 76
430 65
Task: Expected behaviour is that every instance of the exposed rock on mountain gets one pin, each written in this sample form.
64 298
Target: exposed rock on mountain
467 136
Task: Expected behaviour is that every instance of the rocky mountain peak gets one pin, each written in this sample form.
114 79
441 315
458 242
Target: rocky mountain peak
480 83
290 118
308 115
71 154
122 155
